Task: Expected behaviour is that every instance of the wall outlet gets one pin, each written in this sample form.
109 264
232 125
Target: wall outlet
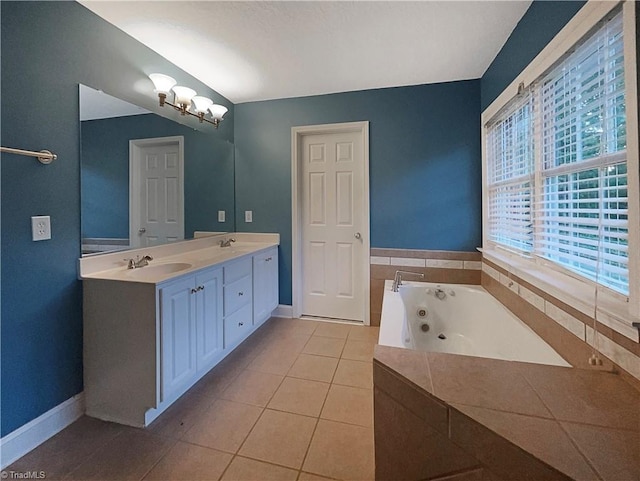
221 216
248 216
41 227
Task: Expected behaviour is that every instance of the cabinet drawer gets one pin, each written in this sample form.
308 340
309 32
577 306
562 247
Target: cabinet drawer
236 270
237 294
237 326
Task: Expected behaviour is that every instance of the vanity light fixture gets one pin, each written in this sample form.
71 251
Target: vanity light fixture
184 97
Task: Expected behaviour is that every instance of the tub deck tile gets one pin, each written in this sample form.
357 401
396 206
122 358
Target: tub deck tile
583 396
481 382
542 438
520 419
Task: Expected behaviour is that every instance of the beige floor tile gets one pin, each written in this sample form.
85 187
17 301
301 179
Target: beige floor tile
224 426
243 469
300 396
287 343
186 461
349 405
214 383
314 368
354 373
364 333
341 451
273 361
295 326
331 329
324 346
252 387
183 414
128 456
237 360
358 350
65 451
280 438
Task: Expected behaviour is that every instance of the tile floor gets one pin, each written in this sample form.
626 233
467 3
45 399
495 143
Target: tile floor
293 402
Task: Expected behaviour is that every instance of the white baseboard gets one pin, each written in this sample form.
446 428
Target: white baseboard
26 438
283 311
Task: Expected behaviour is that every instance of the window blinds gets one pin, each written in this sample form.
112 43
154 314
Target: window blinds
510 175
557 172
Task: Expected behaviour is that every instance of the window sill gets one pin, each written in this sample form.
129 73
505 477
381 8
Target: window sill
612 310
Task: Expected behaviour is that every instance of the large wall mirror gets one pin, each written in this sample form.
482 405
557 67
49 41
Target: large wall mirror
147 180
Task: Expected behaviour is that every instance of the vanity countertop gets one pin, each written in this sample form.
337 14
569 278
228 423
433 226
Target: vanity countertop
174 260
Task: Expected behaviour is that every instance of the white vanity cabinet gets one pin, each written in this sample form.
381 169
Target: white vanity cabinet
265 284
191 329
146 342
238 301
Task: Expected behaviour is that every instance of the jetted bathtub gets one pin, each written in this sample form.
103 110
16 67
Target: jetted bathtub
458 319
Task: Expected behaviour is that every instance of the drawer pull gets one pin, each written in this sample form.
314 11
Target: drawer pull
193 291
268 259
241 293
201 288
241 324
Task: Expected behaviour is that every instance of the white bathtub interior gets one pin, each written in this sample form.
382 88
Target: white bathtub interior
459 319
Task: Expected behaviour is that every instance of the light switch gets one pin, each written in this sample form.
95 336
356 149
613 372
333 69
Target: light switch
221 216
248 216
40 227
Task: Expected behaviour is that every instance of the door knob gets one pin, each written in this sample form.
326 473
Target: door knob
358 235
142 230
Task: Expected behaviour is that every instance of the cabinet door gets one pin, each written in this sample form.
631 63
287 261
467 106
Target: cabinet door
209 325
265 285
178 305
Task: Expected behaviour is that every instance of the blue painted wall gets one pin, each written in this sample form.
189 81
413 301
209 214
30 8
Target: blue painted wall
47 48
425 165
542 21
208 172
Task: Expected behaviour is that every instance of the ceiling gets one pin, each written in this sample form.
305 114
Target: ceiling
261 50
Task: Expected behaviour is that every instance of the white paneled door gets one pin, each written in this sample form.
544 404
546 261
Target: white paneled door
157 197
333 222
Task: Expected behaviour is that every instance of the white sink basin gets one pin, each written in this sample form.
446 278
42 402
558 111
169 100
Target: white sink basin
152 271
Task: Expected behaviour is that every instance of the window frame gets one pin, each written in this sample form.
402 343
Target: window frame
576 290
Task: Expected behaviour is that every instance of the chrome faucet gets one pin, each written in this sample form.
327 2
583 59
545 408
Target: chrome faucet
138 261
440 294
227 242
397 281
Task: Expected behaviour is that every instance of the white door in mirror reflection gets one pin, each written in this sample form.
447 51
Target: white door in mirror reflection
157 191
332 219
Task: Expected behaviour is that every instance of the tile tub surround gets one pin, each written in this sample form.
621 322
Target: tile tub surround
444 414
567 330
437 266
285 405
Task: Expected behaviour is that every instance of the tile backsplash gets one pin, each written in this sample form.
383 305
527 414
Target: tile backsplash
449 267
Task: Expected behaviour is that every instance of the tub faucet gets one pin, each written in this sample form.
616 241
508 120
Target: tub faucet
397 281
227 242
138 261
